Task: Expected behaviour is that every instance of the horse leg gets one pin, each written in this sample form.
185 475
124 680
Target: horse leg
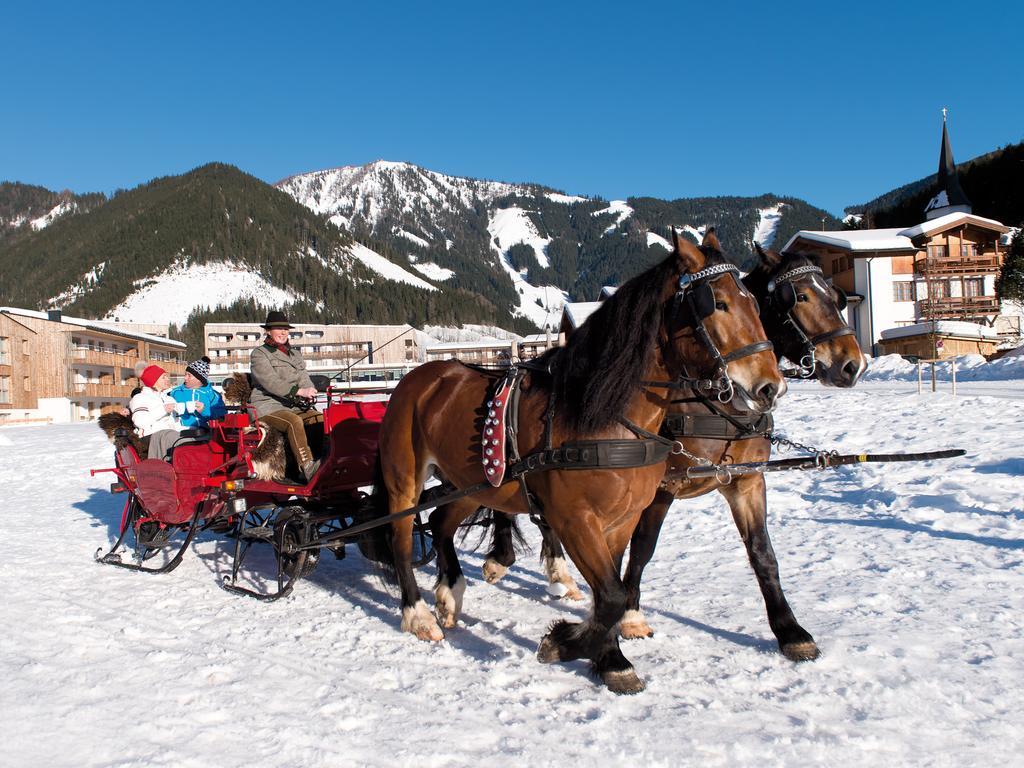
502 554
451 584
748 502
560 581
641 550
597 638
416 616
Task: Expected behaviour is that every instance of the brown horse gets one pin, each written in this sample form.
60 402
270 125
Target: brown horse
688 314
801 315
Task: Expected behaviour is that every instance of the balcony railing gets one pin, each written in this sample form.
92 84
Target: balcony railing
102 390
104 357
958 306
974 265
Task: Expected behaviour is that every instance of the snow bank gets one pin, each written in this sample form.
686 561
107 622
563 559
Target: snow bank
968 368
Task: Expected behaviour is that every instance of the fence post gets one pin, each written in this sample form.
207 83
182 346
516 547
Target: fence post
953 363
933 375
919 377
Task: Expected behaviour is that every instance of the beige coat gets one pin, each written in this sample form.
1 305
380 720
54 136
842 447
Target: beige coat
275 377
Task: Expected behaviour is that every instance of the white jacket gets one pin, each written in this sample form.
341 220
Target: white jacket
148 413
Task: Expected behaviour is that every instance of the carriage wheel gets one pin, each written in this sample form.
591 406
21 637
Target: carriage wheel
292 530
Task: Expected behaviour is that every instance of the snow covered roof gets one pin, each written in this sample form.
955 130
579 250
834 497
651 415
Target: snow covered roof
943 328
94 325
577 312
895 238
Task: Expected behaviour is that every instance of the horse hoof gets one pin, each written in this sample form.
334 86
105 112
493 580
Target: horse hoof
448 602
573 593
623 681
633 626
419 621
493 571
548 652
806 650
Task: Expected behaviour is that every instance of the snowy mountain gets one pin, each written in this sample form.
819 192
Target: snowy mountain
549 246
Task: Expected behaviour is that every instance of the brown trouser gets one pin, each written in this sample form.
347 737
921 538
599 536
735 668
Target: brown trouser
294 426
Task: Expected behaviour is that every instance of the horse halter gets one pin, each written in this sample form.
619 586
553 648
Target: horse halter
782 298
694 301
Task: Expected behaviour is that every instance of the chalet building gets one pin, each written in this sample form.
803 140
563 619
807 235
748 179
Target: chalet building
913 278
359 353
59 368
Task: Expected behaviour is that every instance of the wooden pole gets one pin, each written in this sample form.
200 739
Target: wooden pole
954 376
933 375
919 377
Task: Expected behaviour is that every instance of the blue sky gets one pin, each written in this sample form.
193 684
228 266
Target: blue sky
832 103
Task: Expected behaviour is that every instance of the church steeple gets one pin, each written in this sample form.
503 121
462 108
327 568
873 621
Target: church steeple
950 198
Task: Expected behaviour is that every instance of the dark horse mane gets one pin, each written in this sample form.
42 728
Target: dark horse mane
597 371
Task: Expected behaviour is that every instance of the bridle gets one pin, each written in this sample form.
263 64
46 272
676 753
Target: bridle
693 302
782 299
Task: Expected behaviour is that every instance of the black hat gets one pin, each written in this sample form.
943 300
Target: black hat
276 319
200 369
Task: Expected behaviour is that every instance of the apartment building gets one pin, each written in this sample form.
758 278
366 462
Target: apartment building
60 368
355 353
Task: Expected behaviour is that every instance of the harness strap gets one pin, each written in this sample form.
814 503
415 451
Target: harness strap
712 426
749 349
821 338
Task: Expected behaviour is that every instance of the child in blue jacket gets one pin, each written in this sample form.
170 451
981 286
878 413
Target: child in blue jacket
196 402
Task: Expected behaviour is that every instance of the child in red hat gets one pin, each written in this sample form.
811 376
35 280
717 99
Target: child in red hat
153 412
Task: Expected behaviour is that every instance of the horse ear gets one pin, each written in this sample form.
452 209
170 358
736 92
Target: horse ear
768 258
689 255
711 240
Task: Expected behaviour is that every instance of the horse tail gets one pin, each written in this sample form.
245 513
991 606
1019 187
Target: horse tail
375 544
483 518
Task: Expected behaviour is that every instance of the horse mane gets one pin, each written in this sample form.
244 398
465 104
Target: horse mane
598 370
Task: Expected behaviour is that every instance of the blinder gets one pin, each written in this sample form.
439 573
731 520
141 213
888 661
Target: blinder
839 297
695 299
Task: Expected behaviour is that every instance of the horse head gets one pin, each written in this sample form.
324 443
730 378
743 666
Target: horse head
802 315
712 327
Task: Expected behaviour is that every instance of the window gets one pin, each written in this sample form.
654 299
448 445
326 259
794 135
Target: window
903 290
4 354
5 389
25 348
969 251
295 334
315 334
936 251
974 286
408 342
27 384
938 289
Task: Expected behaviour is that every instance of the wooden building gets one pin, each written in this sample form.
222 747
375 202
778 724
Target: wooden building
71 369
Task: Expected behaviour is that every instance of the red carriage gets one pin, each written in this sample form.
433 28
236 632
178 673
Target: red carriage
212 483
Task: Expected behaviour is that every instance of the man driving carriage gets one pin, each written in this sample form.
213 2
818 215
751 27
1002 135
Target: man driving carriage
282 391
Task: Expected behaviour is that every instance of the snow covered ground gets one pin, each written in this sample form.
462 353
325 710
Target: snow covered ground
910 577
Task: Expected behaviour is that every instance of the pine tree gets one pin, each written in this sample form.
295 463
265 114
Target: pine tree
1010 285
